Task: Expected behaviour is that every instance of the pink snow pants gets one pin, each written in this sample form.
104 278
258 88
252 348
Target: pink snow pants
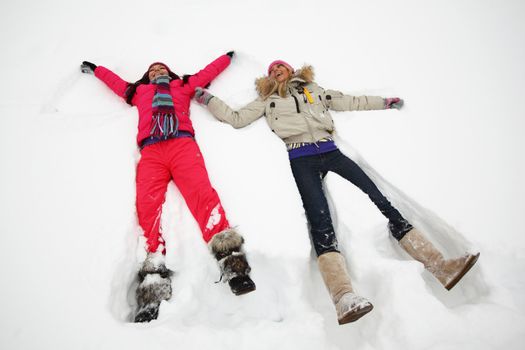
179 160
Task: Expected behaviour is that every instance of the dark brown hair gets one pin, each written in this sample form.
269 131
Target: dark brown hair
132 88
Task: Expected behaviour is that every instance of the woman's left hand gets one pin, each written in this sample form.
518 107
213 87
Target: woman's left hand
393 102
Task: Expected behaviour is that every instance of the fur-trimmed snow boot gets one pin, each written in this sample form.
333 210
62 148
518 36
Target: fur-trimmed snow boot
226 246
154 286
448 272
349 306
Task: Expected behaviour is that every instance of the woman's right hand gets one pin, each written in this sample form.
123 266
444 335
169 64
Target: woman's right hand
88 67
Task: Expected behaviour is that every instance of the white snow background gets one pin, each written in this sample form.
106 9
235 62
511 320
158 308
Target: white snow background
451 160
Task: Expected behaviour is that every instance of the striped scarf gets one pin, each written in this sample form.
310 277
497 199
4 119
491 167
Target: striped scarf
164 122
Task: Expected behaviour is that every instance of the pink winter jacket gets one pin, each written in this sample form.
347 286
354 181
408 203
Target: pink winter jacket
181 94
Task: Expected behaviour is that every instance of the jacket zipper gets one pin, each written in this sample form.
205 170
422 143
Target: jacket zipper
305 119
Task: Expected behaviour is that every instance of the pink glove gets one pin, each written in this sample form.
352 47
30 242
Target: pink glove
393 102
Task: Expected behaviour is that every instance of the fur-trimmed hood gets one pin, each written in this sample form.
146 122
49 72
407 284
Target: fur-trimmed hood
267 86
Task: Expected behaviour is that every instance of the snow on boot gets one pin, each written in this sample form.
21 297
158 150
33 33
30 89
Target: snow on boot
226 246
448 272
154 263
155 286
348 305
235 269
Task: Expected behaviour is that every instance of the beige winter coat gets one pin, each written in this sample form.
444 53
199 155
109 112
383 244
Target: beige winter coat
300 116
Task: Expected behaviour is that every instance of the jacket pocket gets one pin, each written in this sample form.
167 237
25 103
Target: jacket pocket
283 118
332 98
271 115
318 110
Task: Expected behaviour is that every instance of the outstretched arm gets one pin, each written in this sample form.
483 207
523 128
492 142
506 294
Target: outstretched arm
338 101
113 81
210 72
223 112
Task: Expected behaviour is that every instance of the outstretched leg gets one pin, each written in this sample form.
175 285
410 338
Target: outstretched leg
152 180
308 174
348 169
154 278
190 176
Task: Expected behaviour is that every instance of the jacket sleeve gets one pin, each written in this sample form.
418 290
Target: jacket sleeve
338 101
113 81
238 119
210 72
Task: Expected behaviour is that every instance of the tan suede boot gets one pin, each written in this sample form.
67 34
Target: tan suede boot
448 272
349 306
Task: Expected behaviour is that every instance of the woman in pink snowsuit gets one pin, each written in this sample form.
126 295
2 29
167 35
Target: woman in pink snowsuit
169 152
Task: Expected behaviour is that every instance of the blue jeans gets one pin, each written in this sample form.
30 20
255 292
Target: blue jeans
309 172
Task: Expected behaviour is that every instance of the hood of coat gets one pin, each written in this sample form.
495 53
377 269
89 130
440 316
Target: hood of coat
266 86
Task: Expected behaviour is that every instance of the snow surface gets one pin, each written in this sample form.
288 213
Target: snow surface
451 160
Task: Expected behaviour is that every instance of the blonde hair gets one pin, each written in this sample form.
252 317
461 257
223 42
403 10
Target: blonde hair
267 86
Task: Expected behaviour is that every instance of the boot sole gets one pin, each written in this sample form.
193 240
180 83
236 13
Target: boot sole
468 265
354 316
244 291
146 315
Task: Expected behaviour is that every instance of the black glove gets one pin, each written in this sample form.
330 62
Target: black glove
230 53
88 67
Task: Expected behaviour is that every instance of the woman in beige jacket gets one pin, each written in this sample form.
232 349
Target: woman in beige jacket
297 110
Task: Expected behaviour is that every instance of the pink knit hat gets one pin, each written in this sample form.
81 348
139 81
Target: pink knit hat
279 62
162 64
